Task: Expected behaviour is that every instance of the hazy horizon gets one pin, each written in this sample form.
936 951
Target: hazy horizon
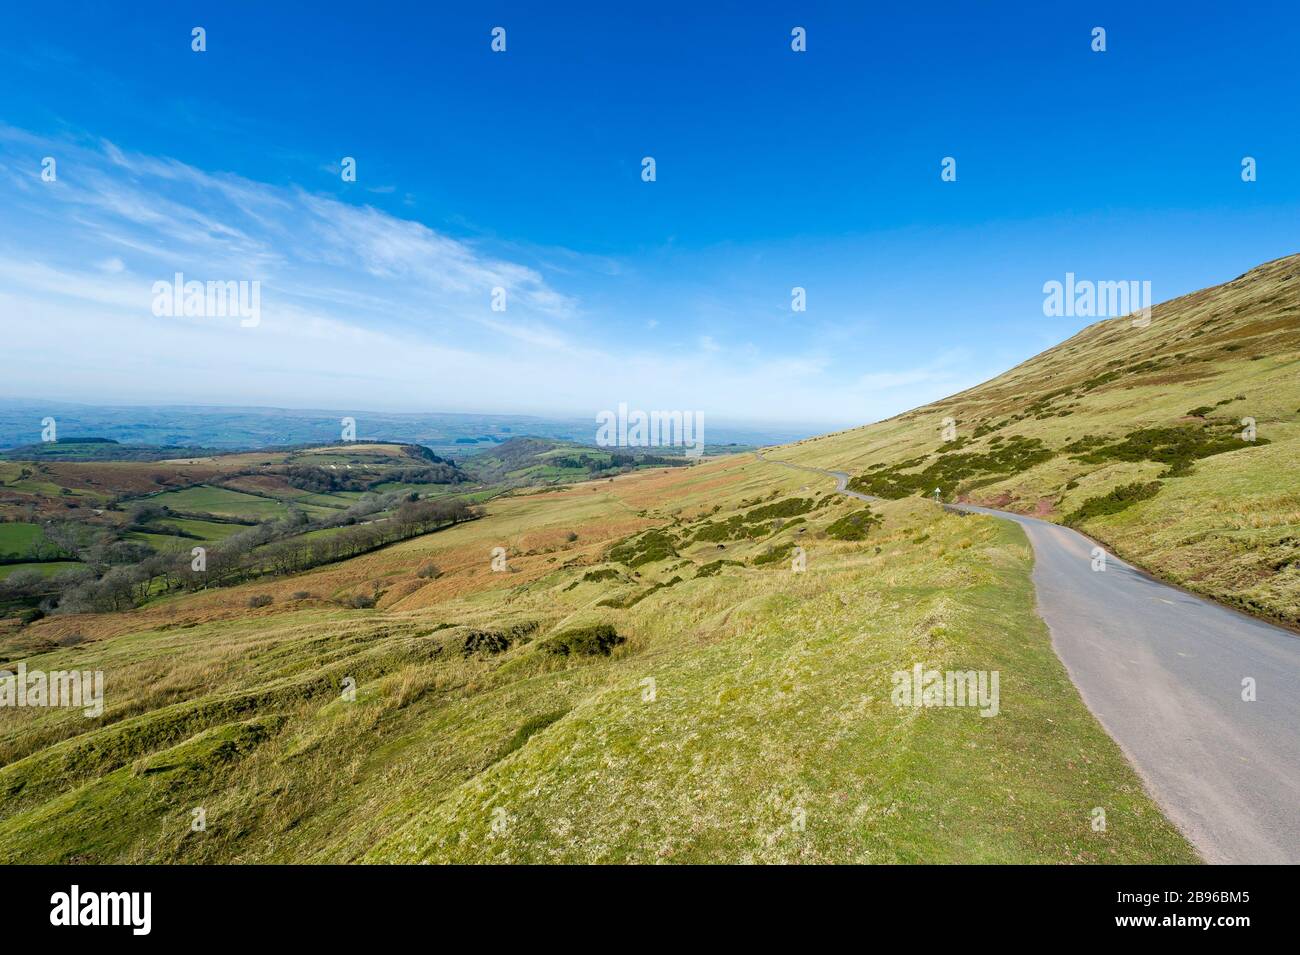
543 414
229 427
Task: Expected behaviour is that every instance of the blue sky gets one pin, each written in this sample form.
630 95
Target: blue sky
775 169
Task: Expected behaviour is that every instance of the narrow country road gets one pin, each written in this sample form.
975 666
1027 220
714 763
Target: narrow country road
1163 671
841 477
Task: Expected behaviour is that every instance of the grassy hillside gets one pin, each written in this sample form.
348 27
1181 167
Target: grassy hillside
1134 435
647 678
638 669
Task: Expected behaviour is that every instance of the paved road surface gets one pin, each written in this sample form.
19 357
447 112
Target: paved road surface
841 477
1162 670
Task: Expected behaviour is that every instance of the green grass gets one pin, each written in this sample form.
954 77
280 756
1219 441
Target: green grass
16 538
1112 407
46 569
1231 529
163 542
203 530
793 691
221 502
691 725
330 502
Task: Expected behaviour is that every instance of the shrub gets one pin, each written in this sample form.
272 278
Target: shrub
773 555
360 602
853 527
429 571
790 507
653 545
1117 500
485 641
497 641
713 568
595 640
301 595
1176 447
259 600
1016 455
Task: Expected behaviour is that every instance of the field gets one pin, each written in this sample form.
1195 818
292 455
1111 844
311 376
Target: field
110 509
767 734
227 502
222 503
209 531
16 538
45 568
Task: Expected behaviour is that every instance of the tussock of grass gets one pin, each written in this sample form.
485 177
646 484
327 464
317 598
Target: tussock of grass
530 728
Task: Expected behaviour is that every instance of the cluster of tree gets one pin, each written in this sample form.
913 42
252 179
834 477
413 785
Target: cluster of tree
320 480
521 453
271 548
79 448
617 461
78 540
144 516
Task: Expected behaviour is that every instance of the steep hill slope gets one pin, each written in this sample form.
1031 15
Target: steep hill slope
1177 443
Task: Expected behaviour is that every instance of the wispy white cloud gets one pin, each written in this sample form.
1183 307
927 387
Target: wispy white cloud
360 307
941 370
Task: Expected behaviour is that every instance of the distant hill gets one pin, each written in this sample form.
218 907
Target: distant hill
100 449
234 428
529 460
